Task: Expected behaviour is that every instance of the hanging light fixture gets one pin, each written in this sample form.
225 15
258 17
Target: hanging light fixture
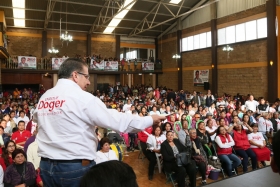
52 49
65 37
176 56
228 48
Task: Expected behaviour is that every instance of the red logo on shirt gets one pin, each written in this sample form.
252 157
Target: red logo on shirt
51 104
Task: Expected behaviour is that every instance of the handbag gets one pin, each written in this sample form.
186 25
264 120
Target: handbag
183 159
215 162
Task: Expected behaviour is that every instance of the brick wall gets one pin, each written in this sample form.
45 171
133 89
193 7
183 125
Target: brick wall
104 45
21 45
111 79
168 79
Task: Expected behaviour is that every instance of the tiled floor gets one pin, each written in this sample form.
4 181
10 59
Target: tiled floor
141 169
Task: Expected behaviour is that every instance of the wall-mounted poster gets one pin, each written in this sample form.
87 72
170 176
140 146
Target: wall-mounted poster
56 62
111 65
200 76
147 66
96 65
26 62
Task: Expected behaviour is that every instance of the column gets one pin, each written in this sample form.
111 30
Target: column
88 44
214 65
154 77
94 82
179 60
143 79
129 80
44 44
118 45
272 65
55 78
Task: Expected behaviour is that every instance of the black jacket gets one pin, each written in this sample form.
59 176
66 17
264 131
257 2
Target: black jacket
168 155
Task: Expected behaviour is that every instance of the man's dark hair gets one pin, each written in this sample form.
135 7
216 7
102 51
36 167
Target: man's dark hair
70 65
275 148
21 121
111 173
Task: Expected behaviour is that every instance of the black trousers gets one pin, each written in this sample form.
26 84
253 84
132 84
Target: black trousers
202 169
144 149
181 173
152 162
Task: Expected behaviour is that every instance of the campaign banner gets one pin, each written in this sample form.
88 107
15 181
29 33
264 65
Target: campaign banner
96 65
148 66
111 65
26 62
200 76
56 62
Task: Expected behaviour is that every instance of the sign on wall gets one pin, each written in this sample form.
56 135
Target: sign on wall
111 65
200 76
147 66
26 62
96 65
56 62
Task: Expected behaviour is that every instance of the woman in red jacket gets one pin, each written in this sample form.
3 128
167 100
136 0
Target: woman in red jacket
242 145
224 150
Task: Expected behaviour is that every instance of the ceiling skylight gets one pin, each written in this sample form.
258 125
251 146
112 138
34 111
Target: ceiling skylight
19 12
175 1
118 18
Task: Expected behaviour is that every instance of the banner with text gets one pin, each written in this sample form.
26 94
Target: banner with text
56 62
96 65
200 76
148 66
26 62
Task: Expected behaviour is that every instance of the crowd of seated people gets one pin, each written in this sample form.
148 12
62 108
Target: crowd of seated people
237 126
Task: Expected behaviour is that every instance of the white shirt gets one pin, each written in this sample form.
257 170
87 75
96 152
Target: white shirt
264 125
211 130
104 157
224 145
251 105
257 138
33 127
154 113
25 119
126 107
32 154
278 124
67 115
154 142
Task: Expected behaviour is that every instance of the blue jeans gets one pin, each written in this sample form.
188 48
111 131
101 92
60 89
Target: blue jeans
58 174
230 162
245 154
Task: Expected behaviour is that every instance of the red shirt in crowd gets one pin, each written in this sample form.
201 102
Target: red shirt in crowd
19 137
2 163
241 140
143 136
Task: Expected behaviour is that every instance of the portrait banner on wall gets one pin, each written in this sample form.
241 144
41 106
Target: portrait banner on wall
56 62
200 76
26 62
148 66
111 65
96 65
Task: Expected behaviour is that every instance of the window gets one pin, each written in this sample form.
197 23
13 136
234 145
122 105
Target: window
230 34
221 36
251 30
131 54
184 44
190 43
196 42
202 40
262 28
240 32
209 39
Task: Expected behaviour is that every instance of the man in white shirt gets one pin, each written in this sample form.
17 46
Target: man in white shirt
67 116
127 106
251 104
22 117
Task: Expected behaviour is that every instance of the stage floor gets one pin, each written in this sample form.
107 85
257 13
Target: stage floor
259 178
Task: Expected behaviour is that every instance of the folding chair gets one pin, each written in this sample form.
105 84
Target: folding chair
159 162
171 177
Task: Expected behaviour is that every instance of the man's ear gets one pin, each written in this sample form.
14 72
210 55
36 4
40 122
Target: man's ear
274 167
